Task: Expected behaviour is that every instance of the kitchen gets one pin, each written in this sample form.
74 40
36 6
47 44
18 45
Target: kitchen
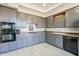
29 25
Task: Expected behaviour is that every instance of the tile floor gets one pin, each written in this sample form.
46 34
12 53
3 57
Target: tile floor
42 49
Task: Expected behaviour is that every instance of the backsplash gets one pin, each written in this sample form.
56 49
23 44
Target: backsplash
70 30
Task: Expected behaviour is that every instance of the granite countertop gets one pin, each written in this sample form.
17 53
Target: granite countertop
73 32
67 34
58 31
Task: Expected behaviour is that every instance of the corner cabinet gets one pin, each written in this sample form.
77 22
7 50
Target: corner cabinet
49 22
48 34
59 20
72 17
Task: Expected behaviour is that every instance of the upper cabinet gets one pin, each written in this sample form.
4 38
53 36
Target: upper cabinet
59 21
72 17
7 14
39 21
49 22
23 19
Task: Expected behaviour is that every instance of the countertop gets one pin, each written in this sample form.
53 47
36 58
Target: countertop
67 34
63 30
74 32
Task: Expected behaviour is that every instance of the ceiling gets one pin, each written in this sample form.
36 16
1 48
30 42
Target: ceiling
41 9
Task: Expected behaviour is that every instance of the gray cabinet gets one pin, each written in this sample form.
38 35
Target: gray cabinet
49 22
4 47
56 22
23 19
20 40
12 45
24 39
59 21
50 38
53 39
72 17
39 21
47 37
41 37
27 39
7 14
33 38
59 41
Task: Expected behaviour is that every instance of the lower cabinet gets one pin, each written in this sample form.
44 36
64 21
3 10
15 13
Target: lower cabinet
28 39
41 37
33 38
47 37
50 38
56 40
4 47
53 39
59 41
12 45
20 40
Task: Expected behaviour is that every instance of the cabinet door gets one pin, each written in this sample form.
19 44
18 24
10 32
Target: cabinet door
4 47
12 45
72 17
48 38
59 41
41 37
7 14
26 40
23 19
59 21
20 40
53 39
32 38
35 38
49 22
39 21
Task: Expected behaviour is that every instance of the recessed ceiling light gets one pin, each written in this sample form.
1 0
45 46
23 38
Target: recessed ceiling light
44 4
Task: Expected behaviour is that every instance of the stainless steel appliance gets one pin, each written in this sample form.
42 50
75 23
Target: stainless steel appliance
7 31
71 44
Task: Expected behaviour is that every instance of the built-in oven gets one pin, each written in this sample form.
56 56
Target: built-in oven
8 31
8 37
